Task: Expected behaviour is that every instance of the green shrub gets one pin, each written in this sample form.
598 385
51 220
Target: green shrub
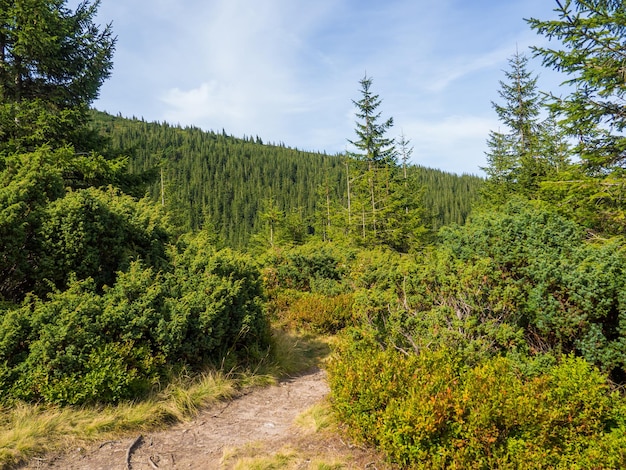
82 346
315 312
54 223
316 267
96 233
428 410
565 291
524 279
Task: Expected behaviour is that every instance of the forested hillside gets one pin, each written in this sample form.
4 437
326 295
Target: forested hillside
490 340
230 182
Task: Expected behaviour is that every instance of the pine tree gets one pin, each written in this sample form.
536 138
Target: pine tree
501 166
592 34
52 64
405 153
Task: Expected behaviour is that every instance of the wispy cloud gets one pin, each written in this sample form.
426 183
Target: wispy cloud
246 57
442 76
287 70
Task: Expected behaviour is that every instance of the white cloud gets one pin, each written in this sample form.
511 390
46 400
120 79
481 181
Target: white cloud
244 57
286 70
454 143
441 77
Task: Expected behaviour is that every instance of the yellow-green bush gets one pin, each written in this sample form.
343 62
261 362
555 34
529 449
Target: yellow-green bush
316 312
428 410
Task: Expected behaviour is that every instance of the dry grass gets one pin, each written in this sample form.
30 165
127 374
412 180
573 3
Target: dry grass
255 457
27 431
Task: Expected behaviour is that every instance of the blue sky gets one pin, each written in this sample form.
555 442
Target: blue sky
288 70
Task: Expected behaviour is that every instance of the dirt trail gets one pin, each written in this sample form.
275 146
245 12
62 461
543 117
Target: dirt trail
261 421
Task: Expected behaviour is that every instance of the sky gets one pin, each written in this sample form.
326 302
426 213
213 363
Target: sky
289 70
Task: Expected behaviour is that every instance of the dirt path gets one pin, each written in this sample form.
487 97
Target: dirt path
260 423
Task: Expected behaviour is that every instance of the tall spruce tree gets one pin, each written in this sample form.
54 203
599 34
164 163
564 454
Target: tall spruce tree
372 144
521 105
382 207
374 151
592 36
52 63
516 159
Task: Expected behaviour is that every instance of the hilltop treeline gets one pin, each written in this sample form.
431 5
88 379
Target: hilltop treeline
228 182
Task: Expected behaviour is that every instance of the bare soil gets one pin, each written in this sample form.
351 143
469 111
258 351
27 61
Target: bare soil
256 425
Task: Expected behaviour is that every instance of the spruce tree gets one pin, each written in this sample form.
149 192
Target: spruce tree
373 147
52 63
592 52
382 207
521 105
519 158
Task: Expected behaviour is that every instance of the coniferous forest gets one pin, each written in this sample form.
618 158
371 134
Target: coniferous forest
476 323
229 183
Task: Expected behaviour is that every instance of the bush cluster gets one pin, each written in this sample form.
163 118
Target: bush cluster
496 349
81 346
429 410
308 287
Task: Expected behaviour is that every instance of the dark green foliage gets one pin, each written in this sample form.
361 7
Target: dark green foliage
571 290
48 231
221 180
531 150
219 295
523 279
52 63
372 145
80 346
106 327
95 233
597 203
308 287
458 360
211 178
307 268
383 204
447 198
591 54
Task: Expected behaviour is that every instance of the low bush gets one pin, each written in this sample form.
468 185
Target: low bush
523 279
428 410
81 346
315 312
313 267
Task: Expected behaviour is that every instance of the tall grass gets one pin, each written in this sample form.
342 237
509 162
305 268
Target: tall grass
29 430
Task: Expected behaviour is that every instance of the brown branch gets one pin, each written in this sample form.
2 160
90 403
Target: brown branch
129 452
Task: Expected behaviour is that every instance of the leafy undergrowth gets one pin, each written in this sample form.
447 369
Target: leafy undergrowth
429 410
29 430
